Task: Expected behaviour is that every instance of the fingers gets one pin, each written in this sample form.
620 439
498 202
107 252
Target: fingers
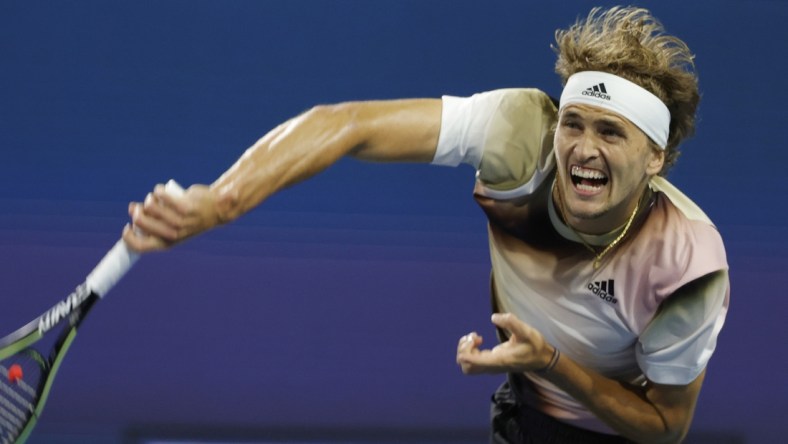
468 343
171 201
521 352
467 347
152 220
157 222
140 242
473 360
165 206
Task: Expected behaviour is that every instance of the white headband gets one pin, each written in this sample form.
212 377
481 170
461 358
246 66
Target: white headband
619 95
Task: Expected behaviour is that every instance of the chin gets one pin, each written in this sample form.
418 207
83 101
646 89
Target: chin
587 215
586 210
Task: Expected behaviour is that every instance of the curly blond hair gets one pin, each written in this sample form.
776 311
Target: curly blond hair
631 43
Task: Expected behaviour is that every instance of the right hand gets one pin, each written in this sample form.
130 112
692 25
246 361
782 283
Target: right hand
164 220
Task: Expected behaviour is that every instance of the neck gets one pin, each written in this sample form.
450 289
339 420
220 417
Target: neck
622 230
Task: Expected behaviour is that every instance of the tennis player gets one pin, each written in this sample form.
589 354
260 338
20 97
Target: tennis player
609 286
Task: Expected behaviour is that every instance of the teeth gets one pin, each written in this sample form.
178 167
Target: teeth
586 173
584 187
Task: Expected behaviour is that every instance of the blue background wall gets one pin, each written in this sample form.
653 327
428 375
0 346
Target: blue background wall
338 303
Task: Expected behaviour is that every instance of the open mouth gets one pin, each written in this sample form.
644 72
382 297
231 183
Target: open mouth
587 179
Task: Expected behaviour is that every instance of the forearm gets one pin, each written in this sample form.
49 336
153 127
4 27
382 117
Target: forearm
637 412
404 130
293 151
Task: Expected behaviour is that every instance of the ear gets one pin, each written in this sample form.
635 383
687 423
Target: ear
656 161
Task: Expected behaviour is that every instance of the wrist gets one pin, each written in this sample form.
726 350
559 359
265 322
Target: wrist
224 202
555 355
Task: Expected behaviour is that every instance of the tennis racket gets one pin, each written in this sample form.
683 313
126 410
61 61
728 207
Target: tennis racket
31 356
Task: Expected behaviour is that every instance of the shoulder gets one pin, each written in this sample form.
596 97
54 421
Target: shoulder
516 136
684 243
688 223
506 134
682 203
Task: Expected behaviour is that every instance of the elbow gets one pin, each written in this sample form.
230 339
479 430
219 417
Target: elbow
344 120
675 436
347 126
665 438
668 435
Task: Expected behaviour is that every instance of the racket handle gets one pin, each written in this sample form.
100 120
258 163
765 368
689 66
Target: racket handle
111 268
119 259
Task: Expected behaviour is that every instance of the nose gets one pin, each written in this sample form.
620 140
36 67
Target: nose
586 147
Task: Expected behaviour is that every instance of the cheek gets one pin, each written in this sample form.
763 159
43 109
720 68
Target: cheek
559 151
630 174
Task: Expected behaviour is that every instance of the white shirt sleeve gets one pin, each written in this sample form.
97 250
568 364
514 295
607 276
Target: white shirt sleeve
679 341
463 124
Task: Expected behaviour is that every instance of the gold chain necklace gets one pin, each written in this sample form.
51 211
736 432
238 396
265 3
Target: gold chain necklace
598 256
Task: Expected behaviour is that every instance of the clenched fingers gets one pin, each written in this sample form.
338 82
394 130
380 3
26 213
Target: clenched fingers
469 356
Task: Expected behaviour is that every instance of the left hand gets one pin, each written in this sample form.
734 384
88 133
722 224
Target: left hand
526 349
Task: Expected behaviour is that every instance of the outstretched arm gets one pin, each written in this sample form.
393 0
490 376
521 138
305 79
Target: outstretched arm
385 131
653 413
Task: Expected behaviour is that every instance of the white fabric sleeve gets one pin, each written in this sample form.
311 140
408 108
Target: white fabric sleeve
679 341
464 121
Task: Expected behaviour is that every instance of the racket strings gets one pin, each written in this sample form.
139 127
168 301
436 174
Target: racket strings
19 392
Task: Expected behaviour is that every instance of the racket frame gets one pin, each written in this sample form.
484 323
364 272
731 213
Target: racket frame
72 309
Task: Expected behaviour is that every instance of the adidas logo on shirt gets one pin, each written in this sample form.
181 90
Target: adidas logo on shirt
597 91
604 289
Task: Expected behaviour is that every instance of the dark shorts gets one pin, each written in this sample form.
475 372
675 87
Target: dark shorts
516 423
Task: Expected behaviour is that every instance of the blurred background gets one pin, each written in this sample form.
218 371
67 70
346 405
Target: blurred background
331 312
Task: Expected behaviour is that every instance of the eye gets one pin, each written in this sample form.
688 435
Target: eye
612 132
571 124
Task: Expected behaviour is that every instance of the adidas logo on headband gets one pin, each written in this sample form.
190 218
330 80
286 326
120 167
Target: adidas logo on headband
597 91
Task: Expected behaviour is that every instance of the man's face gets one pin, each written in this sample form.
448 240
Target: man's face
604 164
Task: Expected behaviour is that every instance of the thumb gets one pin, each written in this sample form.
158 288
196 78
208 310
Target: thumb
512 324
